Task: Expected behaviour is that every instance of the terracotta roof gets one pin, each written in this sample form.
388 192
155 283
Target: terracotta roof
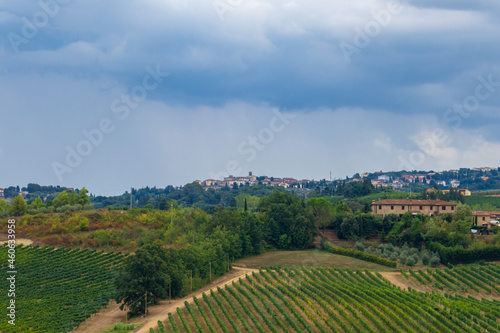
413 202
484 213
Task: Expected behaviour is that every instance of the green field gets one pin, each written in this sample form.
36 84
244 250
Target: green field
56 289
311 258
483 202
332 300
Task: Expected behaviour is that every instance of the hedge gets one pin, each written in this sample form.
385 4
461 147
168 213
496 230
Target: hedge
358 255
460 255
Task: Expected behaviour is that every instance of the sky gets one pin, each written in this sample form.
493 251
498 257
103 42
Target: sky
117 94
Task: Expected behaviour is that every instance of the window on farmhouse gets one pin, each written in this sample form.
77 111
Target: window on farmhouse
444 207
402 207
392 207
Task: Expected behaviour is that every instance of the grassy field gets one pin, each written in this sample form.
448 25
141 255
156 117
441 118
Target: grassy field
311 258
333 300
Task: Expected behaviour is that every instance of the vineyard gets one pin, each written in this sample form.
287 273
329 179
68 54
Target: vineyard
465 279
342 300
57 289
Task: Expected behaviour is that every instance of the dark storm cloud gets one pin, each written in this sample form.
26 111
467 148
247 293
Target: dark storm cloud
422 59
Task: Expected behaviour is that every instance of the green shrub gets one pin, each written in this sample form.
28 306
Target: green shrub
426 257
434 261
410 261
358 255
460 255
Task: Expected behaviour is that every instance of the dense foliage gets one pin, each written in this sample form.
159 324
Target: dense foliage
460 255
287 222
359 255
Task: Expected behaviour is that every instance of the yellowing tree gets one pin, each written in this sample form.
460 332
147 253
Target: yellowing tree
18 206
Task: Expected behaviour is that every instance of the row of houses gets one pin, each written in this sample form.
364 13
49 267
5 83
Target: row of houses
385 180
253 180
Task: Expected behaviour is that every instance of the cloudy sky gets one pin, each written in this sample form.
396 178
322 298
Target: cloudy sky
112 94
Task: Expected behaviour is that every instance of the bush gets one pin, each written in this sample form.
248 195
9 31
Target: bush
460 255
359 246
426 257
495 230
434 261
357 254
415 257
393 256
123 327
84 225
410 261
88 207
413 251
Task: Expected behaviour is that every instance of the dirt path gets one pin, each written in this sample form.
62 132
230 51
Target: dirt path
397 279
108 317
19 241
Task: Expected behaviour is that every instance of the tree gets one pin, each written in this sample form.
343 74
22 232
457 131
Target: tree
285 214
61 199
72 198
349 228
18 206
83 198
463 212
37 203
321 211
32 188
146 272
232 203
3 205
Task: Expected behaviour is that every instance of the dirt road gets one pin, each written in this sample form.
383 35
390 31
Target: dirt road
108 317
397 279
19 241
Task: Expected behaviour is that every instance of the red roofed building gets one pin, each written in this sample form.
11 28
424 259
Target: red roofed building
402 206
486 219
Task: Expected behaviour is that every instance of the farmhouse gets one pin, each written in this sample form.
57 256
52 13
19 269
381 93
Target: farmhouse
402 206
486 218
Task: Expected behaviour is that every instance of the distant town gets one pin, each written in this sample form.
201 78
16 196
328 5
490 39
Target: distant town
464 180
397 180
